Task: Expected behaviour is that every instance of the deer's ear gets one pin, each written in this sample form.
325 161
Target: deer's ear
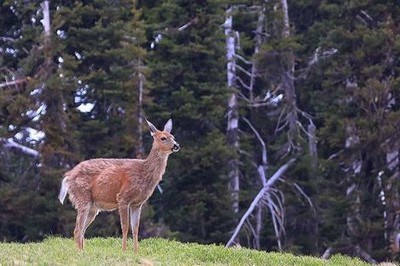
152 128
168 126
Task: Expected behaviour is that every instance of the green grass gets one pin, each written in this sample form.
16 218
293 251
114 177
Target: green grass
107 251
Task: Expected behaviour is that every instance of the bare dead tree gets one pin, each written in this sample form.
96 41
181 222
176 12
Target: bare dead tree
389 195
258 42
263 194
140 114
234 83
241 76
262 170
287 84
312 146
233 114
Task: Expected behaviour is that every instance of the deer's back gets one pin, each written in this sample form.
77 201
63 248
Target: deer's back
101 180
89 171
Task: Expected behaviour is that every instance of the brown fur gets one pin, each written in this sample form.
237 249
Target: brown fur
124 184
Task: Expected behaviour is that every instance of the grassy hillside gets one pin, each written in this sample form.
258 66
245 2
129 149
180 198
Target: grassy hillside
107 251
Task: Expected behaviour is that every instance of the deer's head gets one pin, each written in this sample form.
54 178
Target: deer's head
164 140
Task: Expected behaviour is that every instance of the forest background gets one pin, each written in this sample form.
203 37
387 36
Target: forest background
289 108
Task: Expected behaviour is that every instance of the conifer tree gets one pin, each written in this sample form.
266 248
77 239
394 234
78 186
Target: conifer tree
39 122
103 61
188 84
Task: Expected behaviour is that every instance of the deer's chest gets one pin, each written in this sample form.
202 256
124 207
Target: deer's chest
138 193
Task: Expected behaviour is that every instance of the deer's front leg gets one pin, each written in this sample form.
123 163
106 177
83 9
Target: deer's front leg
135 219
123 214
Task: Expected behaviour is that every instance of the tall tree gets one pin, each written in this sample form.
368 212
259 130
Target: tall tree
43 125
188 84
103 61
233 109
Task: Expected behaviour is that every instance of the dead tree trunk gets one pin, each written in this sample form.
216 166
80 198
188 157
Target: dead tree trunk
264 192
258 42
233 116
390 199
140 149
288 83
312 146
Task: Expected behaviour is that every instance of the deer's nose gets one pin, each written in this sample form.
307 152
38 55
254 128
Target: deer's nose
176 147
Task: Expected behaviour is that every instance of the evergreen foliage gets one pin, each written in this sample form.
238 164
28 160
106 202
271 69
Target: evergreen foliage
188 84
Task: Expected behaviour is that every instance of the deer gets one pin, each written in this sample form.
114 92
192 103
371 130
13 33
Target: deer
103 184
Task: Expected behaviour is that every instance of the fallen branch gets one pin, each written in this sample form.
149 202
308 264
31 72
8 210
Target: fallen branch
364 255
327 254
353 250
256 200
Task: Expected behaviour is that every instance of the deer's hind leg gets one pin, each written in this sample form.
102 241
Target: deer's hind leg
80 225
80 196
83 205
123 215
91 216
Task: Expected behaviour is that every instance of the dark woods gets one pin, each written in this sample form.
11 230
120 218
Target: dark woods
287 112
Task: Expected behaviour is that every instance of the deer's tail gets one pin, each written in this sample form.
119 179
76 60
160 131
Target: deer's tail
63 190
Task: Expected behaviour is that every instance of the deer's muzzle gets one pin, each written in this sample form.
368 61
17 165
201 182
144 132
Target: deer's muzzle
176 147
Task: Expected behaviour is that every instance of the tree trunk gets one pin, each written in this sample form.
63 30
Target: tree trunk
257 45
55 145
312 146
390 198
233 115
233 143
140 149
288 85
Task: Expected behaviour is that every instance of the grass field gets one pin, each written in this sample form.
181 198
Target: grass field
107 251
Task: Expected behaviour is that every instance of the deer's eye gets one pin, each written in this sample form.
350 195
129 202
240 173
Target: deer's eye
163 138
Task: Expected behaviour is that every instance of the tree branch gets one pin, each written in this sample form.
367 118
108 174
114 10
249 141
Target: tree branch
243 70
46 18
258 197
10 143
5 39
14 82
160 35
243 59
264 147
243 83
190 23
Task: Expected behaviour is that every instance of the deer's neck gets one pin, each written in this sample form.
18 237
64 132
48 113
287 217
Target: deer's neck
155 164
